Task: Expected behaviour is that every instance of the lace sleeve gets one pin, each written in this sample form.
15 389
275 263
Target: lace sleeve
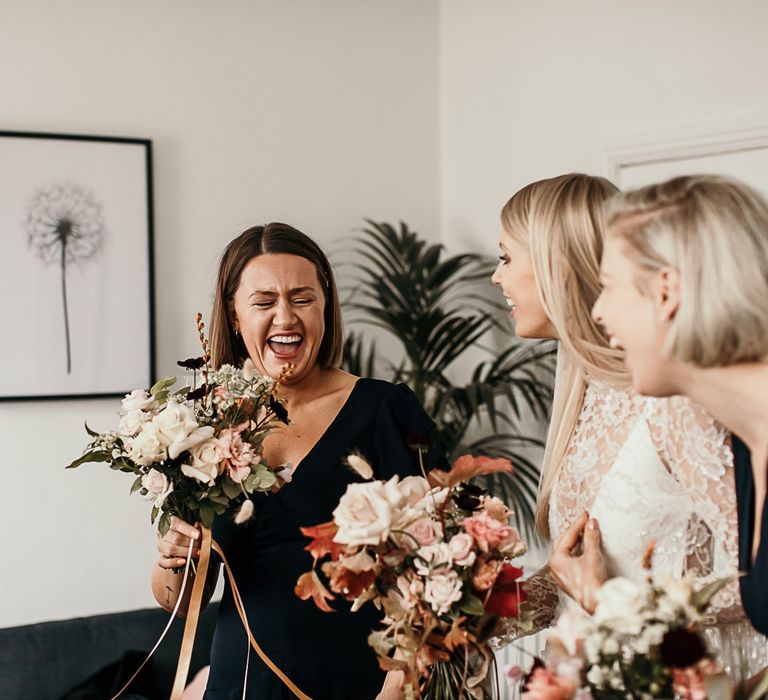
697 452
538 611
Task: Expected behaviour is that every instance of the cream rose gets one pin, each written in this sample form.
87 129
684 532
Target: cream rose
147 448
442 590
137 400
205 463
131 422
157 485
431 557
460 548
365 512
178 429
619 605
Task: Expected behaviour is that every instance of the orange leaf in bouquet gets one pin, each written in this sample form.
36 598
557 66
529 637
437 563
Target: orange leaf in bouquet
309 586
322 540
348 583
457 636
467 467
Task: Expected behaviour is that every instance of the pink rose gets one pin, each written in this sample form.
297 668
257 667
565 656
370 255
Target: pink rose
487 532
545 685
236 454
460 547
158 487
425 531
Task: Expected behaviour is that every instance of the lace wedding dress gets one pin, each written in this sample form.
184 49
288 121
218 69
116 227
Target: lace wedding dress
657 470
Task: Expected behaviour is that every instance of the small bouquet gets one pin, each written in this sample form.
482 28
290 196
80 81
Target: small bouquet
199 449
435 558
643 642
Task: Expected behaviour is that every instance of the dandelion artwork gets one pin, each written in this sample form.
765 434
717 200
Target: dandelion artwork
65 226
76 272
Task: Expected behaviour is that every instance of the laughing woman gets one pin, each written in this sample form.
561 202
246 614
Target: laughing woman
685 293
276 302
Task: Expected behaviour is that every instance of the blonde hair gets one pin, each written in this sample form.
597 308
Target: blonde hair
714 231
560 220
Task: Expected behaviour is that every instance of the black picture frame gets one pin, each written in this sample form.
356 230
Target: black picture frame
77 266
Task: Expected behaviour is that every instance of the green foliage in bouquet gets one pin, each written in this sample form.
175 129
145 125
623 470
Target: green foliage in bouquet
439 309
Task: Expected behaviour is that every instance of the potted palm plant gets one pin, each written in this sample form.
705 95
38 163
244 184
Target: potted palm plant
438 309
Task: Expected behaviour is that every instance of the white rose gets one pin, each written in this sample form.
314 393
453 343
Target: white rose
431 557
460 548
413 488
137 400
442 590
676 598
158 487
365 512
147 448
595 676
178 428
205 463
131 422
619 606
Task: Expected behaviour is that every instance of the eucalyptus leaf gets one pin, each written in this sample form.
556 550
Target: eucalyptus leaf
162 385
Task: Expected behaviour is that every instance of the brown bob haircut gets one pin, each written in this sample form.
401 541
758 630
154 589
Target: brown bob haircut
275 238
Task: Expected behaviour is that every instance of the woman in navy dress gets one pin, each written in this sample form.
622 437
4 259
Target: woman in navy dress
276 302
685 293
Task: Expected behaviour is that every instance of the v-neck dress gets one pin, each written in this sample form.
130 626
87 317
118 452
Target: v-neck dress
325 654
754 579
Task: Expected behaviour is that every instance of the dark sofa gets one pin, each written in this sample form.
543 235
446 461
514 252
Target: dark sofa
90 657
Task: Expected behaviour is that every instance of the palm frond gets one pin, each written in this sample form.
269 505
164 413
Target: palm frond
439 308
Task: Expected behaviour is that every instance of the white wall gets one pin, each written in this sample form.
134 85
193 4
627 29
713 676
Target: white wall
315 113
535 89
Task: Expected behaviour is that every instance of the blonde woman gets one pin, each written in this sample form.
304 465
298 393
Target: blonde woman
689 260
620 470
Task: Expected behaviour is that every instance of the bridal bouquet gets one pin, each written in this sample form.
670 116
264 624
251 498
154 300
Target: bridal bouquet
435 559
642 642
196 450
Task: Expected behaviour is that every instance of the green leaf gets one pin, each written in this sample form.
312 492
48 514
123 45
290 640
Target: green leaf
472 605
90 432
181 393
230 488
162 385
206 515
96 456
702 597
153 515
136 484
164 523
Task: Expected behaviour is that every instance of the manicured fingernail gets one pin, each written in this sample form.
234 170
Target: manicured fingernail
592 524
181 562
195 535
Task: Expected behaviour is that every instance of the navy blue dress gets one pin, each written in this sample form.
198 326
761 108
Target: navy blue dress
754 584
325 654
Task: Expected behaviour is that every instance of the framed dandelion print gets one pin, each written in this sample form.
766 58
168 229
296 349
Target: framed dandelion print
76 267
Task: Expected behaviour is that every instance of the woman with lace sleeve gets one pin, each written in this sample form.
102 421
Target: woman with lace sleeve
612 453
688 260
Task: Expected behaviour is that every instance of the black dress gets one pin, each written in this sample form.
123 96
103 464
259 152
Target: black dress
754 584
325 654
